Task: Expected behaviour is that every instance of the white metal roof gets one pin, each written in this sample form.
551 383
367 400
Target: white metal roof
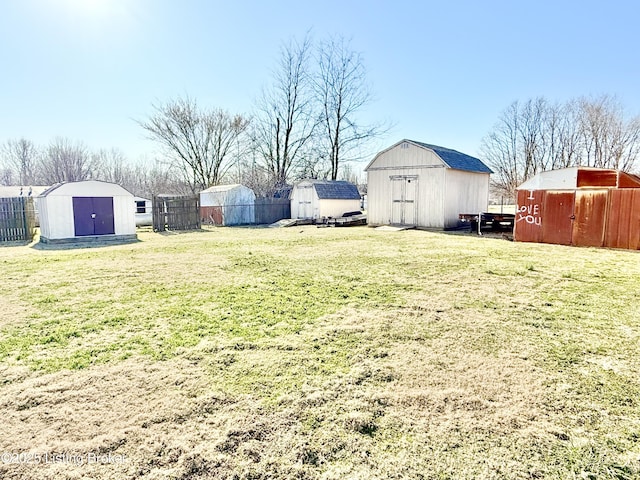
86 188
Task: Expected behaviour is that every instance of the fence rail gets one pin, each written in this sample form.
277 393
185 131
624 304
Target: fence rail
17 219
176 213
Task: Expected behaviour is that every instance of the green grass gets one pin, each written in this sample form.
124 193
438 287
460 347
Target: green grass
355 353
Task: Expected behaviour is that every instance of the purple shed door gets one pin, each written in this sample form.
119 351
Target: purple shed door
103 208
93 216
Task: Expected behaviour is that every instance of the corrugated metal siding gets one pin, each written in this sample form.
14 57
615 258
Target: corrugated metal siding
588 217
597 178
544 216
557 213
212 215
623 221
590 212
124 216
59 218
626 180
528 223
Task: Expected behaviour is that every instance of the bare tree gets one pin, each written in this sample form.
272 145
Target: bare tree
255 176
342 93
500 149
64 161
563 136
6 176
628 148
111 166
349 174
153 177
538 136
284 116
199 142
530 129
314 166
609 140
20 157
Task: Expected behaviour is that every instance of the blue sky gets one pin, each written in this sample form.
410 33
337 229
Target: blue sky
441 71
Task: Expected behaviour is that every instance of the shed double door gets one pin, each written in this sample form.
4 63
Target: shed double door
305 201
575 218
403 200
93 216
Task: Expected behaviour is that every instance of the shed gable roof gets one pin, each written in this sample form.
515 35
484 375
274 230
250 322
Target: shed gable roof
96 188
223 188
457 160
450 158
336 189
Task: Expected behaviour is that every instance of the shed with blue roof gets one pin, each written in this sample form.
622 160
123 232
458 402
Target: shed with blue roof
316 199
424 185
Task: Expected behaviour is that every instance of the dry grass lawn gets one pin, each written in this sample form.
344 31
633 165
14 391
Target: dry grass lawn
319 354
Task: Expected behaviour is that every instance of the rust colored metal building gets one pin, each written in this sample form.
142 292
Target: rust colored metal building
580 206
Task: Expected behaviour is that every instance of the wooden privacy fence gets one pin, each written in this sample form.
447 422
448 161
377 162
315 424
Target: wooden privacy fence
584 217
17 219
270 210
175 212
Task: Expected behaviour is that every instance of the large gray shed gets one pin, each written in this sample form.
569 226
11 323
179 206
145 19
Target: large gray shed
423 185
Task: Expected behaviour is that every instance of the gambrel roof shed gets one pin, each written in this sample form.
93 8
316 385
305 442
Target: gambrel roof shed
89 210
228 205
450 158
314 199
425 185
